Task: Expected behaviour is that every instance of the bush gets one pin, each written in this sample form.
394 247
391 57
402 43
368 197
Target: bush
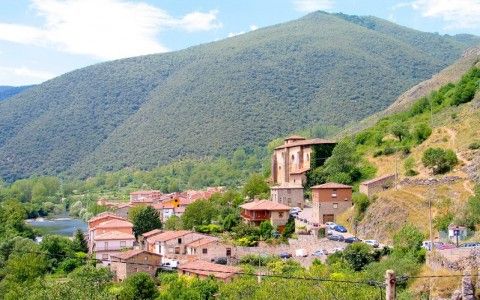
421 132
361 202
439 160
408 165
441 222
210 228
388 151
474 145
377 153
247 241
358 255
257 260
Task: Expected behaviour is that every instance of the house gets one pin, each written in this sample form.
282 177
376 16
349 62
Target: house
124 264
143 239
172 243
97 220
329 200
257 211
209 248
122 210
145 197
110 243
290 163
376 185
204 269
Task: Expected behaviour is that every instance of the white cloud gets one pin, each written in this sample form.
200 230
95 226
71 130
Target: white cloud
457 14
307 6
23 75
105 29
251 28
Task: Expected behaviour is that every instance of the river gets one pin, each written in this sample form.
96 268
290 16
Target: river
62 225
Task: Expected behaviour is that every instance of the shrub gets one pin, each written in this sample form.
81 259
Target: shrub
399 130
377 153
210 228
474 145
421 132
441 222
408 165
247 241
358 255
388 150
439 160
361 202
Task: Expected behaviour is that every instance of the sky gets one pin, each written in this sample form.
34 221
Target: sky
41 39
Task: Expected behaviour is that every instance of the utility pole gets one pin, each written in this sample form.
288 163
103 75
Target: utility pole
390 284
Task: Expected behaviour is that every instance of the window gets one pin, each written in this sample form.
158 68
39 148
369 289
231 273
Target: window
105 246
229 252
334 193
177 250
289 191
104 256
179 241
145 258
293 157
335 205
280 214
204 251
123 243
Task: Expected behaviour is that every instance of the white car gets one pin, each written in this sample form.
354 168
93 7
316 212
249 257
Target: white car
330 225
301 253
373 243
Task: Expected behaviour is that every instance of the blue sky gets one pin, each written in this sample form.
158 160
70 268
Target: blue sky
41 39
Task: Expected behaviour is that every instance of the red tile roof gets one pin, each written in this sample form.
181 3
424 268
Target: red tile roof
305 143
114 235
145 192
203 241
151 233
205 268
331 185
124 255
264 205
115 224
168 235
105 215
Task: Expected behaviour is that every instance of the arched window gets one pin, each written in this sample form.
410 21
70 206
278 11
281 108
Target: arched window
293 157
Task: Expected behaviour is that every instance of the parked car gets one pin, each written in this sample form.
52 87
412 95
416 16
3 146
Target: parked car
352 240
330 225
330 232
340 228
470 245
285 255
336 237
301 253
320 252
221 260
372 243
170 265
295 210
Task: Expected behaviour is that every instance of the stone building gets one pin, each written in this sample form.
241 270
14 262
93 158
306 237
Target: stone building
209 248
123 264
376 185
329 200
290 163
257 211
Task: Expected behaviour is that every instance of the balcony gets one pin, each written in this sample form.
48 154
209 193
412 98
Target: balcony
255 215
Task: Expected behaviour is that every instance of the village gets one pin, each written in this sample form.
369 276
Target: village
112 241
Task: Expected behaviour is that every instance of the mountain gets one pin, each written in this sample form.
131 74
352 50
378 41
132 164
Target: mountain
208 100
9 91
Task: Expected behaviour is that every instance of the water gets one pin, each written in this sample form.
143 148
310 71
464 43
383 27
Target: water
62 225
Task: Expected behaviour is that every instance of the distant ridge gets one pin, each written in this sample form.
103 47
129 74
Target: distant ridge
9 91
210 99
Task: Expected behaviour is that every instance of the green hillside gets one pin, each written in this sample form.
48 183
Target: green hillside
208 100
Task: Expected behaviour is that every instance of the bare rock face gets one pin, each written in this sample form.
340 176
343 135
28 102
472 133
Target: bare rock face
473 168
468 287
457 295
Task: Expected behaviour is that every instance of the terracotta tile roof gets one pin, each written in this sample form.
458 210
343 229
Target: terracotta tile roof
105 215
151 233
305 143
374 180
264 205
331 185
124 255
203 241
115 224
205 268
114 235
168 235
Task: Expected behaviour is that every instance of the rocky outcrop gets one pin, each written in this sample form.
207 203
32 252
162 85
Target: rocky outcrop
430 181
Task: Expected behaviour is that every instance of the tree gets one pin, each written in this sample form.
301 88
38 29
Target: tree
58 248
266 229
144 219
289 228
200 212
439 160
255 186
174 223
361 202
230 221
399 130
358 255
139 286
79 243
344 164
408 240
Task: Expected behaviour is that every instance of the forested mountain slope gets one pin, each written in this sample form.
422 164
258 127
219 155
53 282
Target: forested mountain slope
208 100
9 91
